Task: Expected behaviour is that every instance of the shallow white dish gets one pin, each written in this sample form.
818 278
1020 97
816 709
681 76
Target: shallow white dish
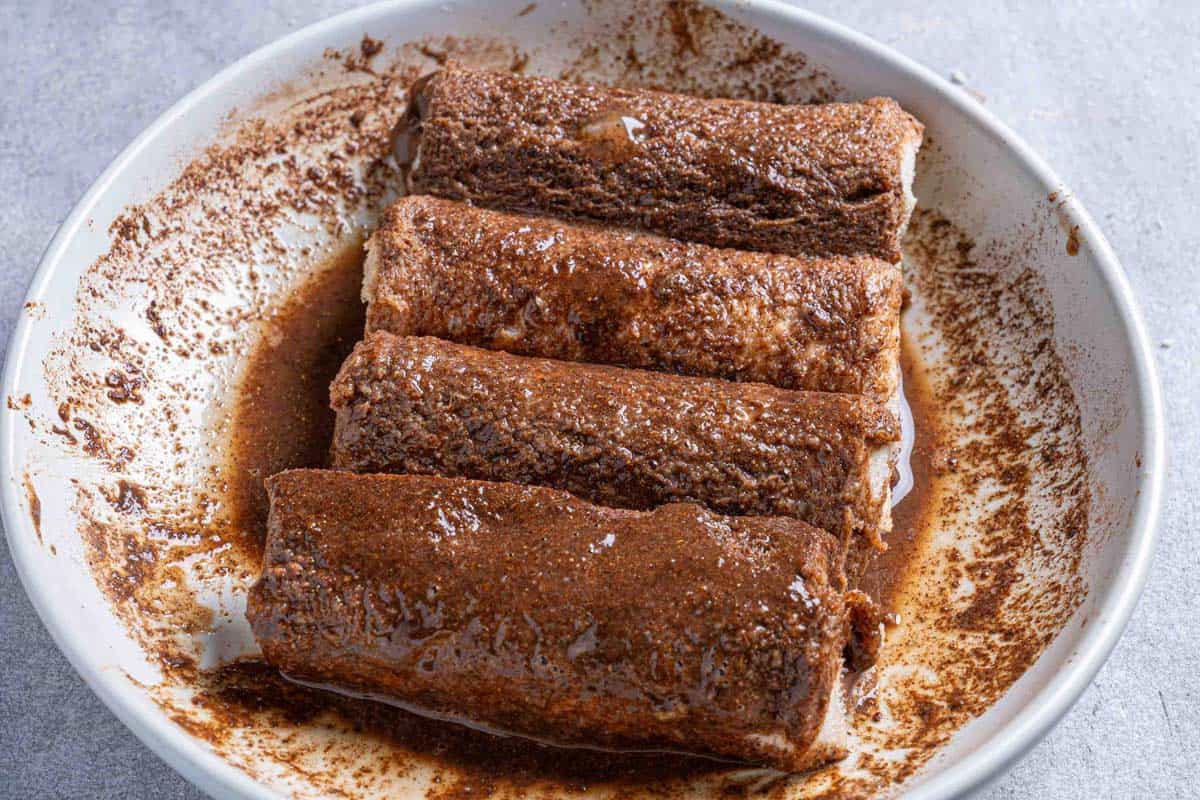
994 182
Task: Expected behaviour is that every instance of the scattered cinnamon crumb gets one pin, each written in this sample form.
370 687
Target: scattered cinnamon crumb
35 506
370 47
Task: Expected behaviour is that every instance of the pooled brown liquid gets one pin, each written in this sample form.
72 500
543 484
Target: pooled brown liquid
911 516
281 416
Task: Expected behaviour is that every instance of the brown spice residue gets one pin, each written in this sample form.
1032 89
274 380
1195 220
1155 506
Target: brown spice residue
1018 477
123 388
129 498
360 61
689 47
59 430
681 27
1073 241
35 505
370 47
93 442
438 56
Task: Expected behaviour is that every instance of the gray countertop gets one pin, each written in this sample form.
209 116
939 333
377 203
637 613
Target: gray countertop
1108 92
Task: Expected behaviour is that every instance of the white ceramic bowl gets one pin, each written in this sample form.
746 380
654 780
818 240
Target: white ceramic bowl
987 175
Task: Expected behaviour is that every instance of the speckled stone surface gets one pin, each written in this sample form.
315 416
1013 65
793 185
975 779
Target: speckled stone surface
1108 92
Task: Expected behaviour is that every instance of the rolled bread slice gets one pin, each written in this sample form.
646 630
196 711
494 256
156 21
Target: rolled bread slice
579 292
526 611
620 437
825 179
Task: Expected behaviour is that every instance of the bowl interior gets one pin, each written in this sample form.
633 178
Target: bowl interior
1020 326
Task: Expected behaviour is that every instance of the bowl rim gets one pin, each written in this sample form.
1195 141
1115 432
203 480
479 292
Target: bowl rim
205 769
